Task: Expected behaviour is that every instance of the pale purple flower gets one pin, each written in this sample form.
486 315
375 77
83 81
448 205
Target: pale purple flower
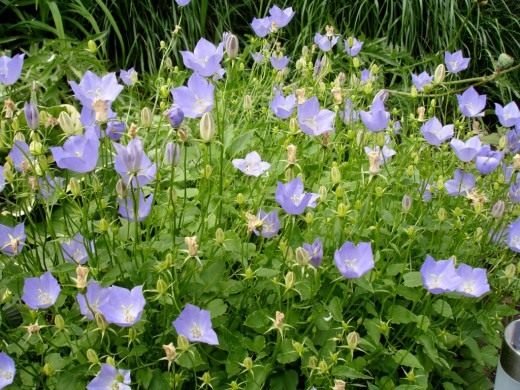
194 323
513 139
74 250
258 57
280 17
21 156
10 69
172 153
205 58
312 120
261 26
383 154
366 76
377 118
427 192
461 184
353 46
182 3
514 191
315 252
292 198
252 165
32 116
353 261
435 133
282 106
92 300
439 276
487 160
508 171
270 224
349 114
471 104
7 370
509 115
455 62
325 42
473 281
195 99
41 292
513 236
127 208
175 116
115 129
279 62
109 378
48 185
12 239
123 307
133 165
421 80
79 153
466 151
128 77
2 178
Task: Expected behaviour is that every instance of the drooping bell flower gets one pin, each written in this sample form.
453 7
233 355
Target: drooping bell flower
509 115
266 225
205 58
127 208
315 252
21 156
128 77
195 324
352 46
435 133
115 130
466 151
422 80
377 118
473 281
75 249
487 160
461 184
282 106
251 165
92 300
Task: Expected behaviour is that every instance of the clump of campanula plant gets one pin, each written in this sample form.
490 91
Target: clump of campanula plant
258 219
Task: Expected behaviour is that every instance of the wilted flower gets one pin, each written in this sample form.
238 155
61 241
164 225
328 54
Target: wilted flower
12 239
292 198
195 99
466 151
315 252
128 77
439 276
353 261
21 156
252 165
282 106
265 224
378 156
471 104
205 59
421 80
279 62
353 46
455 62
461 184
314 121
513 236
41 292
133 165
172 153
325 42
79 153
509 115
123 307
473 281
93 299
110 377
435 133
7 370
377 118
127 208
10 69
75 250
487 160
194 323
32 116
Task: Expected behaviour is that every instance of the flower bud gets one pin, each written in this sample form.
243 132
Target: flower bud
161 286
91 46
92 356
48 369
182 343
442 214
208 170
289 280
322 191
170 353
279 320
356 62
293 125
103 225
352 340
420 113
193 247
337 95
335 173
302 256
100 321
510 271
9 108
231 46
59 322
339 384
19 137
291 154
342 210
36 148
110 360
175 116
172 154
247 363
31 115
81 276
440 73
68 124
504 61
219 236
497 211
207 127
146 117
74 186
406 203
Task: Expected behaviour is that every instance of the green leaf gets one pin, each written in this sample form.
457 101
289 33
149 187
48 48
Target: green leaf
217 307
336 308
287 354
412 279
348 372
190 359
258 320
405 358
443 308
401 315
287 380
